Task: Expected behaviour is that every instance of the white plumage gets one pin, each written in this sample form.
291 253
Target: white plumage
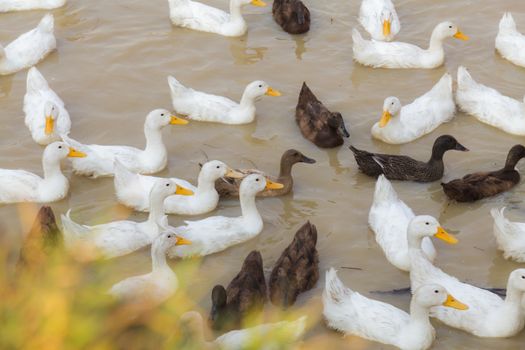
379 18
509 42
29 48
401 124
23 5
489 106
509 235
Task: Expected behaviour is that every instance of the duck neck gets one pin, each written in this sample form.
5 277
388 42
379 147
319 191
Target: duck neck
235 11
51 169
436 42
205 183
248 207
512 159
154 144
514 296
418 313
286 169
247 101
156 210
158 258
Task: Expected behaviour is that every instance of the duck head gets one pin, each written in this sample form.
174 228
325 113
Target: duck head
515 154
166 187
444 143
160 118
336 122
51 115
57 151
255 183
216 169
293 156
218 316
517 280
257 89
430 295
427 226
448 30
391 107
166 240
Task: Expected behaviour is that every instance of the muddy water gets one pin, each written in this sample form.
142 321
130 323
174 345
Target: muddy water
110 69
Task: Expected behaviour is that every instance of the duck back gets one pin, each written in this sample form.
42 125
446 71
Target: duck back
292 15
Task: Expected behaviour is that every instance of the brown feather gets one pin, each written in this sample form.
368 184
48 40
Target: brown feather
292 15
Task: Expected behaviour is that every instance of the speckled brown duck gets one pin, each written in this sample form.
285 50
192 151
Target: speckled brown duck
405 168
228 187
292 15
476 186
324 128
246 293
297 270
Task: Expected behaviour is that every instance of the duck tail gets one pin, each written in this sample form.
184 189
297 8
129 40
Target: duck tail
464 78
335 291
35 81
176 3
384 191
47 24
175 86
124 179
72 231
297 327
357 39
73 143
507 22
306 95
501 223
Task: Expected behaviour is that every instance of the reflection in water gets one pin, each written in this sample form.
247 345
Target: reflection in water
296 212
245 55
6 83
334 162
300 47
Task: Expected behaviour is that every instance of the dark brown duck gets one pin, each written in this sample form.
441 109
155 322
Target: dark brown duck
292 15
404 168
297 270
245 294
229 187
324 128
473 187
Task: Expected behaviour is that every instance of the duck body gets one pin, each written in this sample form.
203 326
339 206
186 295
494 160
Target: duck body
133 190
509 42
510 236
476 186
23 5
229 187
197 16
217 233
29 48
401 124
152 159
205 107
246 294
379 18
45 113
297 269
324 128
292 15
389 218
489 106
354 314
380 54
404 168
156 286
122 237
23 186
488 315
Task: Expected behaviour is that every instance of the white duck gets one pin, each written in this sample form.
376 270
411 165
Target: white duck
509 235
46 116
402 124
218 109
158 285
388 218
379 18
217 233
489 106
119 238
23 5
488 315
148 161
132 189
349 312
29 48
23 186
510 43
380 54
268 336
197 16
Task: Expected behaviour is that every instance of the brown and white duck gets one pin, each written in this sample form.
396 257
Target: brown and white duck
404 168
229 187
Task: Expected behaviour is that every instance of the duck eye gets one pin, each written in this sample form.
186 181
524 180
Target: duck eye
59 147
169 236
162 115
260 86
450 27
167 185
256 179
436 291
392 103
523 277
218 166
426 223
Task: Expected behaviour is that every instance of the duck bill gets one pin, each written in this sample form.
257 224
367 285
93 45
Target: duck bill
455 304
344 131
50 124
386 27
460 147
385 118
182 241
270 185
73 153
460 36
177 121
258 3
307 160
445 236
183 191
272 92
234 174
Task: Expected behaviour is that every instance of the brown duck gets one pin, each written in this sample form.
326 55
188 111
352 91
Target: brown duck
292 15
246 293
473 187
405 168
228 187
324 128
297 270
